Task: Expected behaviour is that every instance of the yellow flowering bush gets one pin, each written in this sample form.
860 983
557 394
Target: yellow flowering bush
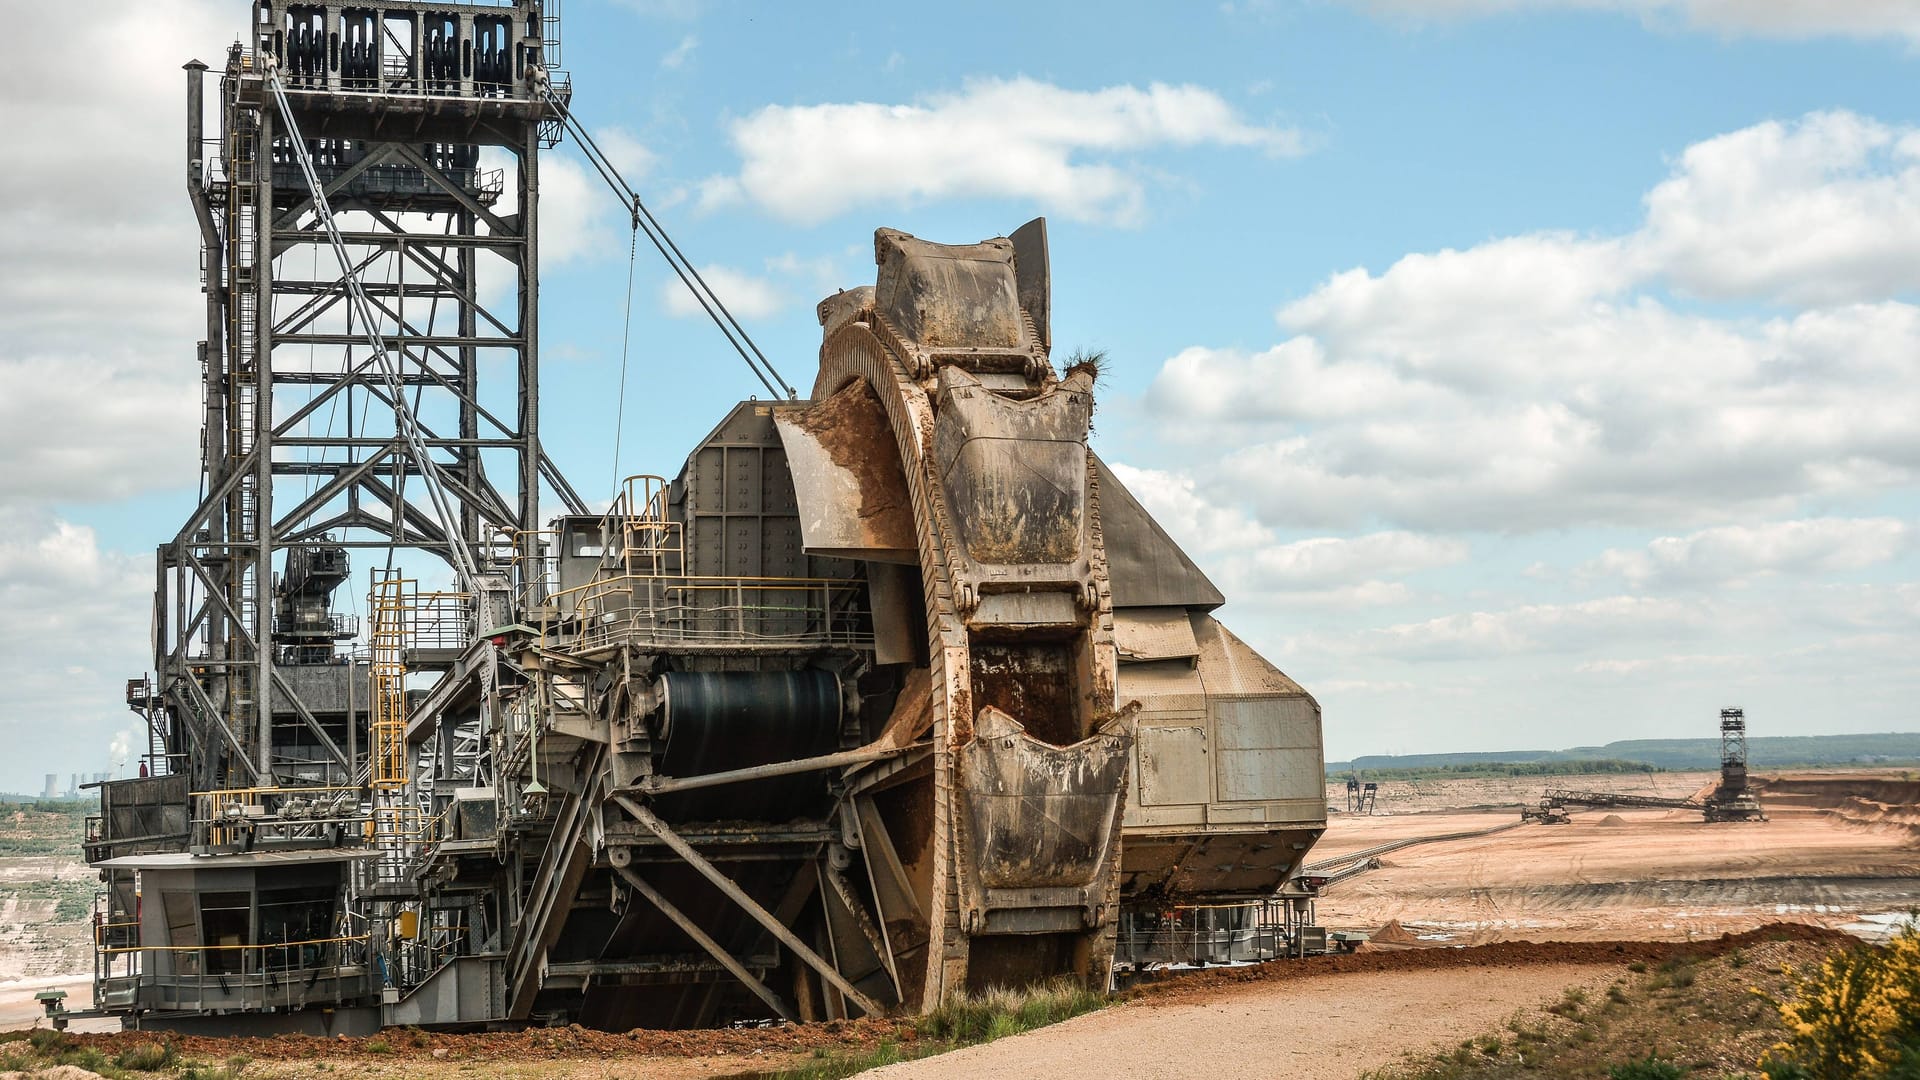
1856 1018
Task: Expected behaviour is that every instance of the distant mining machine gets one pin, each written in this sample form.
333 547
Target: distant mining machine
889 694
1732 799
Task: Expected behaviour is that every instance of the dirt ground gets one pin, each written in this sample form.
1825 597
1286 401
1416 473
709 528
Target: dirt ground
1608 889
1310 1029
1415 796
1840 850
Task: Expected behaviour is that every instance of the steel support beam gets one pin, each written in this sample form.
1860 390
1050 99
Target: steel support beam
660 785
733 892
705 941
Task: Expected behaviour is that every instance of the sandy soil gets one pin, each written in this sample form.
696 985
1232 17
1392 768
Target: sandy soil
1608 888
1330 1028
1837 850
1417 796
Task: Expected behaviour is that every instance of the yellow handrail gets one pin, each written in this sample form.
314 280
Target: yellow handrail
228 948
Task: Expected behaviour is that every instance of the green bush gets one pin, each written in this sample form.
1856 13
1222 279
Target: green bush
146 1057
1648 1068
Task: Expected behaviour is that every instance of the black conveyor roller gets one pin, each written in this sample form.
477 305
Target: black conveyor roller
715 721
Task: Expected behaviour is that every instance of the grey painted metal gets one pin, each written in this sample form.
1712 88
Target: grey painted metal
464 990
255 206
721 881
1146 566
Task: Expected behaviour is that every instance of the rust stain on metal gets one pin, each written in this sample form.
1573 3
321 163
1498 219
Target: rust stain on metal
851 426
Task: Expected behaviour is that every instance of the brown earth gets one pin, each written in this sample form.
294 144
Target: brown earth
1332 1018
1477 985
1839 848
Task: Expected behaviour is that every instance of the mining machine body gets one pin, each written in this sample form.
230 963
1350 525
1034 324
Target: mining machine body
891 693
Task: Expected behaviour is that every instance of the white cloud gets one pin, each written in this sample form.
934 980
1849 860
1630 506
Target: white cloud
1823 211
96 426
747 296
1531 628
581 219
633 158
1736 552
1247 559
89 611
1195 523
1542 381
997 138
100 296
676 57
1331 560
1767 18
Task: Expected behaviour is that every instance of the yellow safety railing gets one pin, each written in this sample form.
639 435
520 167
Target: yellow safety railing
388 641
684 609
253 947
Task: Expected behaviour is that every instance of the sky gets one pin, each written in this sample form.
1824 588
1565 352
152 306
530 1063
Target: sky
1528 373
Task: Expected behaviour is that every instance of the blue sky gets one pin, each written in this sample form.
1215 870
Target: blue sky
1529 373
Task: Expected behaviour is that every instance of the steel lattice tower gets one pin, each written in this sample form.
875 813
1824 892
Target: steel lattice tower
402 107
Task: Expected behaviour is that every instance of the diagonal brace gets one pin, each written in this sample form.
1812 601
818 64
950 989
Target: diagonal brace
759 914
701 938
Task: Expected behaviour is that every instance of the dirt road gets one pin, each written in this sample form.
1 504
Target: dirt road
1327 1028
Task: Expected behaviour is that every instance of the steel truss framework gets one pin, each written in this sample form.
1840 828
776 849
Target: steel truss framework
301 440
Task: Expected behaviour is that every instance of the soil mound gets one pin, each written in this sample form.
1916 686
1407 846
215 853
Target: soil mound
1613 821
1869 803
1392 934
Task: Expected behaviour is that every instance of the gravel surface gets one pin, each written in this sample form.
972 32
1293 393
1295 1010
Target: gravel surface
1307 1029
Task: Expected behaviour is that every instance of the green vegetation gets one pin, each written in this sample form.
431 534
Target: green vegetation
1649 1068
29 1052
1701 1017
963 1021
1484 770
43 827
1855 1017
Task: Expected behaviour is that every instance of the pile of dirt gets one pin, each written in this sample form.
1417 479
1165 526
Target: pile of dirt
534 1044
1612 821
1868 802
1392 934
1496 956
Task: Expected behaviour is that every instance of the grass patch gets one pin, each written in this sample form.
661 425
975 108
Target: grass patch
147 1057
960 1021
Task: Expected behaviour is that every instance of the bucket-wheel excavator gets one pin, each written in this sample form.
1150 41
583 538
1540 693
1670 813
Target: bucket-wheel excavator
892 693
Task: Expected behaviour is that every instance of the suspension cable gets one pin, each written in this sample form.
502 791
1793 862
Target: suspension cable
626 333
683 268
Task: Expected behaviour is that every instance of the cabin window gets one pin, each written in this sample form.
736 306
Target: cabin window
226 921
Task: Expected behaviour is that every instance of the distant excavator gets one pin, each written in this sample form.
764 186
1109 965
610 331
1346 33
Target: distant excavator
1732 799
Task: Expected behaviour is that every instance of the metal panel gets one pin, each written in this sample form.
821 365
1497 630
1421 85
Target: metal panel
1163 688
1267 749
1173 765
851 493
1154 633
1146 567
